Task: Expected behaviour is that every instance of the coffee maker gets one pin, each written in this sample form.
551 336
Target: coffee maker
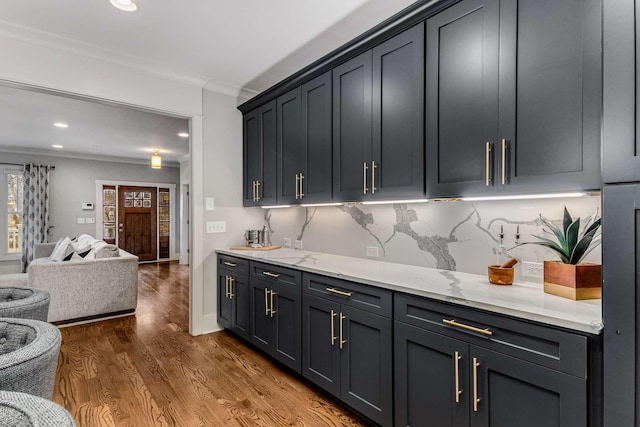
255 238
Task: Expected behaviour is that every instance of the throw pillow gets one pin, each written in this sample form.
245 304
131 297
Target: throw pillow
60 251
108 251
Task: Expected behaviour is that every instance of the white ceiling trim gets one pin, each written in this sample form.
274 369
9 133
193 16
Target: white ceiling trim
54 41
230 89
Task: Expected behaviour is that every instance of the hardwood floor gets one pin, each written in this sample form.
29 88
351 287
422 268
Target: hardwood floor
146 370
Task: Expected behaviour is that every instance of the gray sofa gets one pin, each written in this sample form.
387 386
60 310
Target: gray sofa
85 289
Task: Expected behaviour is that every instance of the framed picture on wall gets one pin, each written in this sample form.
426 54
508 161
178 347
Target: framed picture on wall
109 214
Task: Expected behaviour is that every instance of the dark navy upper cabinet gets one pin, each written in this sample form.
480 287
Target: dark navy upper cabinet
378 132
304 143
514 97
621 115
260 156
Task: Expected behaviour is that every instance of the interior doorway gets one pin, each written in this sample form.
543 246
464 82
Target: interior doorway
137 221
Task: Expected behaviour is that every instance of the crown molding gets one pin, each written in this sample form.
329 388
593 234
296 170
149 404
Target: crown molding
56 42
230 89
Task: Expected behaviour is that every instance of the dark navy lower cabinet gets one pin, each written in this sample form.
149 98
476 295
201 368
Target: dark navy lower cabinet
233 302
348 351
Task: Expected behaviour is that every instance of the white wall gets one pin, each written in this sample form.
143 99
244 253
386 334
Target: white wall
183 194
73 182
221 177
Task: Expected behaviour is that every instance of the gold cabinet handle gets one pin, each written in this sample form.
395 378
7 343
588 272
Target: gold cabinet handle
373 177
231 294
342 342
339 292
504 161
457 371
272 293
270 274
452 322
266 301
226 286
301 185
297 186
365 168
488 163
257 191
333 332
253 183
230 264
476 399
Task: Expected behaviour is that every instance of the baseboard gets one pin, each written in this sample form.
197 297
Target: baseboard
96 318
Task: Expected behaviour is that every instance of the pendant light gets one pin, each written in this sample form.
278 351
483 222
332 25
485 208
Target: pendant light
156 160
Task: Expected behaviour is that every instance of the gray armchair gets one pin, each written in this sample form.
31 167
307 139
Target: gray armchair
28 356
24 303
25 410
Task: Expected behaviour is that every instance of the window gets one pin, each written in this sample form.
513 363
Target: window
11 215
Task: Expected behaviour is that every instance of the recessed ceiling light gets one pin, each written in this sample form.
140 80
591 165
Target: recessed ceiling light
183 135
126 5
57 146
61 125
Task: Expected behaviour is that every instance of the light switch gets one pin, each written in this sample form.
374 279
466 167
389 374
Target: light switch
80 220
209 204
216 227
90 220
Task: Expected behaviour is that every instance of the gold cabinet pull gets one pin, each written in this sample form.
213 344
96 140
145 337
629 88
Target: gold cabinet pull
339 292
226 286
257 191
272 293
452 322
488 163
301 185
297 179
504 161
230 264
253 183
457 371
231 294
333 332
342 342
476 399
365 168
373 177
270 274
266 301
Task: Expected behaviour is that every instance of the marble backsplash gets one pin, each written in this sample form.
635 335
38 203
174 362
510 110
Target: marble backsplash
457 236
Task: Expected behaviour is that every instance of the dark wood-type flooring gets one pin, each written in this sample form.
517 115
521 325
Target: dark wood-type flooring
146 370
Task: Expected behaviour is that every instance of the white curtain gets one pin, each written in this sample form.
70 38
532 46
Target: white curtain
35 219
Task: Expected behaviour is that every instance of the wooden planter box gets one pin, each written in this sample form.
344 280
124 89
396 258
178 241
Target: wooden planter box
582 281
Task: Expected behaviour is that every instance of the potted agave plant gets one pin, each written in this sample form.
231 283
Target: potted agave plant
570 277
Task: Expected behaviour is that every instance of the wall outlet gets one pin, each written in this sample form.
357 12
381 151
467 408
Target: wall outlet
298 244
80 220
286 242
533 270
372 251
90 220
216 227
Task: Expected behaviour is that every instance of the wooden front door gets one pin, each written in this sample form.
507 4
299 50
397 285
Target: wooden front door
137 221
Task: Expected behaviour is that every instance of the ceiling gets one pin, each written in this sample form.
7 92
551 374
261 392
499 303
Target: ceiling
243 44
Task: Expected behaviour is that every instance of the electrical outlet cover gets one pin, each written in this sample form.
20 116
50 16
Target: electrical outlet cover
372 251
533 270
286 242
298 244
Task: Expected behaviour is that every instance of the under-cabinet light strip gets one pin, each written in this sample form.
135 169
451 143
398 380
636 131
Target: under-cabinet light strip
393 202
276 207
524 197
313 205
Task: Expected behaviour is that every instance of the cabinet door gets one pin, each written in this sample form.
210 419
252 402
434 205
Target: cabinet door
550 95
239 287
320 345
352 128
621 90
268 140
431 379
252 156
512 392
398 116
366 363
621 299
289 146
287 324
462 98
224 303
261 330
316 140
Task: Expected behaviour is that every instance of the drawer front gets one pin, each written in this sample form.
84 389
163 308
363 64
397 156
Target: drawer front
273 274
545 346
233 264
367 298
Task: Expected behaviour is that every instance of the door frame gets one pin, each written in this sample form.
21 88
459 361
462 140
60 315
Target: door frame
172 200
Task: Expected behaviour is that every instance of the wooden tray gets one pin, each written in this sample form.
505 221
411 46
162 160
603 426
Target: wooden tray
249 248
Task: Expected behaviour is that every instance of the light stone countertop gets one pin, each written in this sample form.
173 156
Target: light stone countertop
524 300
